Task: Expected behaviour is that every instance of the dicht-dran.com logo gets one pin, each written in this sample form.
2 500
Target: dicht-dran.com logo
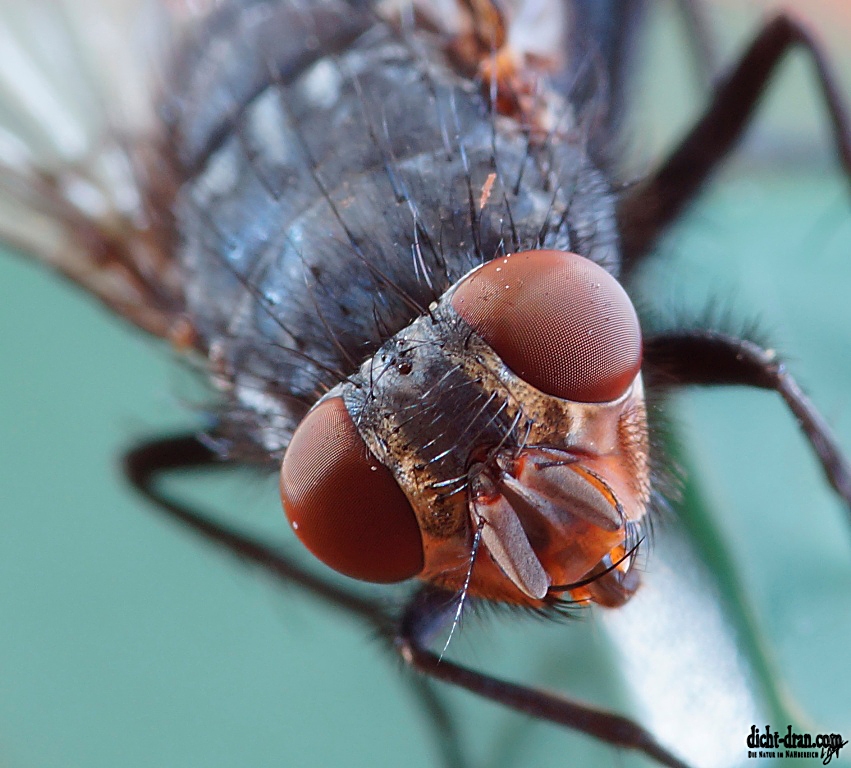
768 743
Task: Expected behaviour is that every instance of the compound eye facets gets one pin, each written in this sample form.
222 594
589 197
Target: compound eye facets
343 504
559 321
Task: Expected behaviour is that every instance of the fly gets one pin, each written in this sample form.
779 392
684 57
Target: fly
455 391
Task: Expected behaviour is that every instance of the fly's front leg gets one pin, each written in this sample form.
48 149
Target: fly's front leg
431 610
711 358
656 202
146 463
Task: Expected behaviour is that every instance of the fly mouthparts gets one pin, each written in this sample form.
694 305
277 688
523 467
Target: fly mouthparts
554 483
506 540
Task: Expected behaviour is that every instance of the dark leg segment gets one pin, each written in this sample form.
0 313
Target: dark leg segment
143 466
654 203
432 609
681 358
145 463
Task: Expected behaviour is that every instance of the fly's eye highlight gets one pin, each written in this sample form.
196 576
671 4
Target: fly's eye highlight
345 505
558 320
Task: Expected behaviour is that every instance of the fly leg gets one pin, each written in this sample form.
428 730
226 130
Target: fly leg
431 609
147 462
649 207
144 464
711 358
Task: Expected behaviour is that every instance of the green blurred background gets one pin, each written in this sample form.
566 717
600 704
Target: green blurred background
125 642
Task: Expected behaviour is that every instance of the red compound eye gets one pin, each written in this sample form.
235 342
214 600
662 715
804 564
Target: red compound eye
559 321
343 504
